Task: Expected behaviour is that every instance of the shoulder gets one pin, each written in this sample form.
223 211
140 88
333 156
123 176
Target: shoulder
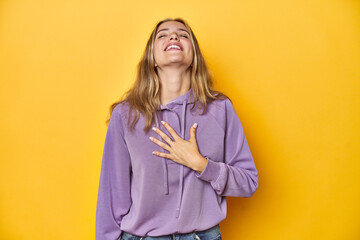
118 116
121 110
217 110
222 110
219 105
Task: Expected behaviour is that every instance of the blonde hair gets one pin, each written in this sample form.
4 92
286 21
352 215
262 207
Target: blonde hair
144 95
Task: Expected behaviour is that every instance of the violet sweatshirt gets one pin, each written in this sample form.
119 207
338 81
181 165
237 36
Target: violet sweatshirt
148 195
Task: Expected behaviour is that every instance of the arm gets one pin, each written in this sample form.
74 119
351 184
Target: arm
114 198
237 175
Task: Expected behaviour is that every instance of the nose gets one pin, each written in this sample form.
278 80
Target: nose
173 36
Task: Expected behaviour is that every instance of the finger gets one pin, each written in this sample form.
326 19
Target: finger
163 135
193 132
162 154
160 143
170 130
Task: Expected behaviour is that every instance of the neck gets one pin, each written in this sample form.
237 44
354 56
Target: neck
174 83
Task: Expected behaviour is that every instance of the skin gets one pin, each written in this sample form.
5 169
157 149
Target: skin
174 69
173 66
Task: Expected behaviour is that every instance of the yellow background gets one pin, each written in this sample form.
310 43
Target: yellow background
291 68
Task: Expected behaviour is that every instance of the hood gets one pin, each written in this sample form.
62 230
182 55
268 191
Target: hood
183 100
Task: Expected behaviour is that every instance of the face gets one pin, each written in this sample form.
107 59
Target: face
173 34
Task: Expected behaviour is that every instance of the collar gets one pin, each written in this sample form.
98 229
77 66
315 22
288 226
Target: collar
188 97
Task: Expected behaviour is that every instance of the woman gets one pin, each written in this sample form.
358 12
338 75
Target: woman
171 182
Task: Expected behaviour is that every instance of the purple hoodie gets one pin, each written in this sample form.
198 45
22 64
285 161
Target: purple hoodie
148 195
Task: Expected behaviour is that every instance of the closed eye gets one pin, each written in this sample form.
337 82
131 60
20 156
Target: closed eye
180 36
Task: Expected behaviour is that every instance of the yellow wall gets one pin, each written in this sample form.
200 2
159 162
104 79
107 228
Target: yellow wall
290 67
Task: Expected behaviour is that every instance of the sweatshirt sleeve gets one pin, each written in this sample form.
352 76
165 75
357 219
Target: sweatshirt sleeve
114 198
236 175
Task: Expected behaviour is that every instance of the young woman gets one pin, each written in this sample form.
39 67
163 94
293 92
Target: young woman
174 148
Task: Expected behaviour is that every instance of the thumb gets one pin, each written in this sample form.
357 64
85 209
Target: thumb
193 132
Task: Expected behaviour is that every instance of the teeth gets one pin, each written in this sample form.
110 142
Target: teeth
173 46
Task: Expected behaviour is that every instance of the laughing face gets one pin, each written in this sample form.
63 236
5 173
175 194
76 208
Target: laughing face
172 46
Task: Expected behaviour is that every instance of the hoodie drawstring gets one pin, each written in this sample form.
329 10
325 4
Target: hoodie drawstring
181 178
165 169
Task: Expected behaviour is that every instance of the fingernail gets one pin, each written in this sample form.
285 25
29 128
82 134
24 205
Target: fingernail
195 125
151 138
154 128
162 122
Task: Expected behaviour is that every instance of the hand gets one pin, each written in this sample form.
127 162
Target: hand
182 151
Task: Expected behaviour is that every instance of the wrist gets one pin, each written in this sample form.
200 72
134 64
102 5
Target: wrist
200 164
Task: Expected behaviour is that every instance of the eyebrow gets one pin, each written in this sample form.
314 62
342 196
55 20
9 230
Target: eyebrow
165 29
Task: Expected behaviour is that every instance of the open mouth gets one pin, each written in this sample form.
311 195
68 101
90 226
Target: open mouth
173 47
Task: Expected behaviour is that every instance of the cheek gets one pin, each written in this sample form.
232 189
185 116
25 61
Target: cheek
157 52
191 51
157 48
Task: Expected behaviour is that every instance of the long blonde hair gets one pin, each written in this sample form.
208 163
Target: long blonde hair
144 95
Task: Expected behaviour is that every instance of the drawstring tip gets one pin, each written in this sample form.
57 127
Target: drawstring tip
177 212
166 189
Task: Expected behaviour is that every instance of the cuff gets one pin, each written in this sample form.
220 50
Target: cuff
211 173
